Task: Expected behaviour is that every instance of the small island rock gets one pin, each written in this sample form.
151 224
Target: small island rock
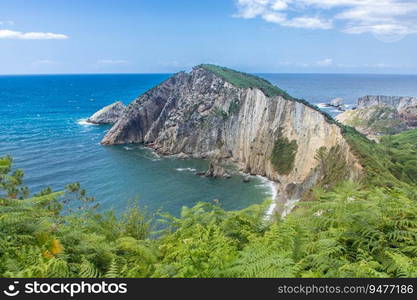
337 103
215 170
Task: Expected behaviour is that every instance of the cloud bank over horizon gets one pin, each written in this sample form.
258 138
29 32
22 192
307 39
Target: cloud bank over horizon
387 20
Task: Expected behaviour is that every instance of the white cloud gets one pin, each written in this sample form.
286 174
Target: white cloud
308 22
388 20
112 61
273 17
274 11
17 35
325 62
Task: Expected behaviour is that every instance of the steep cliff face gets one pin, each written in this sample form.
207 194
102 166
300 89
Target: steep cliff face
405 106
204 115
374 120
376 115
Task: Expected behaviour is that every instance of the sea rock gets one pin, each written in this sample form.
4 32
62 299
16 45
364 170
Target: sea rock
377 115
216 171
208 114
246 179
337 103
109 114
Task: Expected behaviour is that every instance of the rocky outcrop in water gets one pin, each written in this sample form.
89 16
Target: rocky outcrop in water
216 113
215 170
337 103
109 114
376 115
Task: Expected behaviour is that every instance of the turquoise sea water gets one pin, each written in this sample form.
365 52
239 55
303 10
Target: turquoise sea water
40 127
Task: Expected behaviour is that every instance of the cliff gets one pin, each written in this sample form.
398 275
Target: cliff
373 120
405 106
109 114
376 115
215 112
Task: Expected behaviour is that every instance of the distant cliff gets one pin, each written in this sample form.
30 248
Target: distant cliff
217 112
405 106
377 115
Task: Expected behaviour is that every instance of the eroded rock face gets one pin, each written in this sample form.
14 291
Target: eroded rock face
376 115
215 170
204 116
405 106
109 114
374 120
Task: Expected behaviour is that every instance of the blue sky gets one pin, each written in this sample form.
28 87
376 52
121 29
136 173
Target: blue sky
109 36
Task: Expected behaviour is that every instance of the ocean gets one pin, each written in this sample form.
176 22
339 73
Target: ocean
42 128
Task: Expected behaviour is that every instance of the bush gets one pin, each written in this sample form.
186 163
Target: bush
346 232
283 155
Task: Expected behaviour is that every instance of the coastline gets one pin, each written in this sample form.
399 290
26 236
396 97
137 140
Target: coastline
273 190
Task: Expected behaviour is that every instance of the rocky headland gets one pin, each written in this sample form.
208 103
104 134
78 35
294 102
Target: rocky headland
378 115
217 113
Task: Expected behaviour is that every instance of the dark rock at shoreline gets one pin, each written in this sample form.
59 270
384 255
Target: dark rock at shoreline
337 103
216 171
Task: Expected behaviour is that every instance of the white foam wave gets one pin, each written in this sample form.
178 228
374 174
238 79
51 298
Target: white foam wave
272 192
185 169
152 155
84 122
127 148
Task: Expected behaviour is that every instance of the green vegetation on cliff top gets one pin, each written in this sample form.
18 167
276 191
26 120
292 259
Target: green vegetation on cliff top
388 163
245 80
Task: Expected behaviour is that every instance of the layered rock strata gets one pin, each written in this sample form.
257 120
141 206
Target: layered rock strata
212 115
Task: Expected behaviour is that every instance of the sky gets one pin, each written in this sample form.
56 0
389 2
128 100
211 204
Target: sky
160 36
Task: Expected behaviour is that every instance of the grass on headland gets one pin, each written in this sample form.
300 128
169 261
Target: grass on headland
245 80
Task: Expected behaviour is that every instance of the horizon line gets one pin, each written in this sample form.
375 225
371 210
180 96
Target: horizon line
169 73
